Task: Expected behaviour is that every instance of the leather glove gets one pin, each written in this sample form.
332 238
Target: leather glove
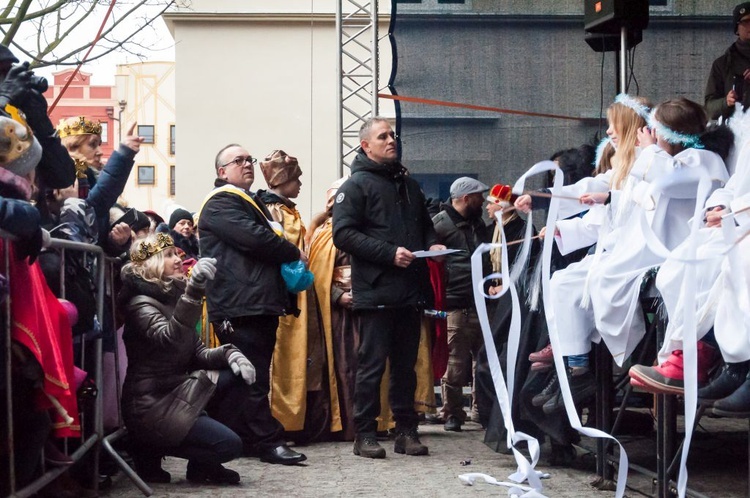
241 366
35 109
30 247
15 87
203 271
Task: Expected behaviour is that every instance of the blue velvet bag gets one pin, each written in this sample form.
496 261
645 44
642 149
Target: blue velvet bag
296 276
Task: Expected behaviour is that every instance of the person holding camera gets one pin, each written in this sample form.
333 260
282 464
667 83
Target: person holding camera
729 81
21 89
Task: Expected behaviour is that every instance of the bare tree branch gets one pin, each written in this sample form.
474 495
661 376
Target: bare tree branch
51 23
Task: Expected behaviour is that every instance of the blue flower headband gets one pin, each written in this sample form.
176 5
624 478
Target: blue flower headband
633 104
674 137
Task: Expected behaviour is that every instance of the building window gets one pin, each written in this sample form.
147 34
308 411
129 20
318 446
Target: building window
105 132
171 180
172 137
146 175
147 132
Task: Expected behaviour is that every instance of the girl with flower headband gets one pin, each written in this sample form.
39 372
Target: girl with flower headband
615 272
624 117
179 398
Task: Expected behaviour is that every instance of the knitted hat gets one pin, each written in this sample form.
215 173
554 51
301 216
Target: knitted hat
502 195
177 215
738 13
279 168
20 152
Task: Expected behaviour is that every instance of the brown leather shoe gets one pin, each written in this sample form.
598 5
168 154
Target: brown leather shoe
368 447
407 442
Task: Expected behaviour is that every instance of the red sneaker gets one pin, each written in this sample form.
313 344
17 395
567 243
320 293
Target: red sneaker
542 356
668 378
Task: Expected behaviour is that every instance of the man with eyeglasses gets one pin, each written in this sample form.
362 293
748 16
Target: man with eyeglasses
729 81
380 218
248 294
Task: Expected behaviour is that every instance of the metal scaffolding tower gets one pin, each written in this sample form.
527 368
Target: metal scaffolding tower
357 29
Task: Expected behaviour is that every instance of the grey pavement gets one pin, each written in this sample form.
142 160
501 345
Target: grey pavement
332 470
718 467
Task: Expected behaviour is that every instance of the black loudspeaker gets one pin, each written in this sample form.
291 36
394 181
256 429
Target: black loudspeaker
609 16
606 42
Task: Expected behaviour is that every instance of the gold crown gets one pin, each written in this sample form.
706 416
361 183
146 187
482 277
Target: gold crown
147 249
81 126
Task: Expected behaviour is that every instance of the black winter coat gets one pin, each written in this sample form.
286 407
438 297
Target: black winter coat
456 232
166 387
249 256
721 80
378 210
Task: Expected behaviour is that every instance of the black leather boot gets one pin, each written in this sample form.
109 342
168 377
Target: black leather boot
148 467
736 404
214 473
549 391
582 387
731 377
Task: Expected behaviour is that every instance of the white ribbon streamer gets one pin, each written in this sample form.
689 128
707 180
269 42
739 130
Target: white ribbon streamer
515 490
575 422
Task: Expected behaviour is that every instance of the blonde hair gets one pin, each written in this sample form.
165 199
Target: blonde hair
152 269
626 123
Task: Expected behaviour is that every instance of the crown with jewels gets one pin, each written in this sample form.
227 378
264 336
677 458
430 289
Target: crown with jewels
501 194
81 126
147 249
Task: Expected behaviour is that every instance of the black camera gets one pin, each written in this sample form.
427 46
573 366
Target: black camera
38 83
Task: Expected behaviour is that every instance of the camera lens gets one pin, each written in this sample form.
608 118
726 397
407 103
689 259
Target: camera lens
39 83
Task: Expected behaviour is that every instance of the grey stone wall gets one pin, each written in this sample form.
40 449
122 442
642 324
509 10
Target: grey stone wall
529 63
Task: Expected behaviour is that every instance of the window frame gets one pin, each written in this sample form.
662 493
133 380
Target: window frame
153 134
143 167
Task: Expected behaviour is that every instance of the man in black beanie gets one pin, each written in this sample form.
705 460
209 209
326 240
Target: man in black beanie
729 81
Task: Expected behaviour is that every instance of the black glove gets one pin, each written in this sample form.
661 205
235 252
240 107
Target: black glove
35 109
14 89
30 247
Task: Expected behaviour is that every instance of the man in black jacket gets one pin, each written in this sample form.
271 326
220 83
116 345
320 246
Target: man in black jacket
460 226
729 80
248 294
379 218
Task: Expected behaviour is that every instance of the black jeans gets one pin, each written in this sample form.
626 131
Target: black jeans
209 442
386 334
255 336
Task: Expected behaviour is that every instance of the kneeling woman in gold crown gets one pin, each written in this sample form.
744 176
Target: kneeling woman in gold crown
180 398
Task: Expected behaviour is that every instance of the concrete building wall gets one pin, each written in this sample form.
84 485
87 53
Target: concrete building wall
531 63
261 74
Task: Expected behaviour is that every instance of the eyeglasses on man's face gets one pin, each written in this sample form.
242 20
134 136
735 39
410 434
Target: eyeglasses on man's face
241 160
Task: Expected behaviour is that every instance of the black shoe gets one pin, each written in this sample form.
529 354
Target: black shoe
546 394
282 454
582 387
367 446
732 376
453 424
148 467
736 404
214 473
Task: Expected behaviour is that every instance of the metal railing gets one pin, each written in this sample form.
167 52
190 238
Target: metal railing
88 444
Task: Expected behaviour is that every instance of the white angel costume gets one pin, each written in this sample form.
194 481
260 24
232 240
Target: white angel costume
615 274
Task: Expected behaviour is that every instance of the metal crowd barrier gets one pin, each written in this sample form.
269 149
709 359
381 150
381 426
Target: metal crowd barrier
88 444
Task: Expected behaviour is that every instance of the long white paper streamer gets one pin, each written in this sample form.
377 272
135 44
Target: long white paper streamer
575 422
